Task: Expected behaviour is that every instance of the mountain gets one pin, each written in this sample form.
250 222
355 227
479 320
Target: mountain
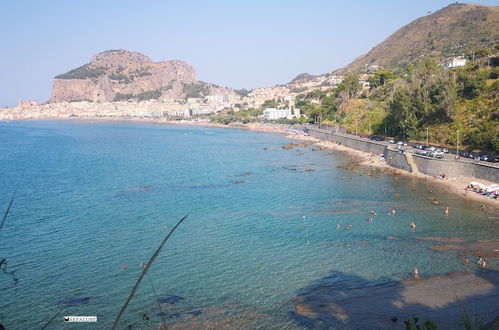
301 78
120 75
451 31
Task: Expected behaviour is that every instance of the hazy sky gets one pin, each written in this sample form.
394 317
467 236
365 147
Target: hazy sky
239 44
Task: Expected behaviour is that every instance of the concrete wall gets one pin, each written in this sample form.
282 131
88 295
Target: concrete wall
394 159
454 168
426 165
349 141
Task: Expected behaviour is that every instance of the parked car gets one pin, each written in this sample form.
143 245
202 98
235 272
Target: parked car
437 154
391 141
483 157
445 150
423 152
492 159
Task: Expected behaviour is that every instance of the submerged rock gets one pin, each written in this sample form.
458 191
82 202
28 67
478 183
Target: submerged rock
74 301
170 299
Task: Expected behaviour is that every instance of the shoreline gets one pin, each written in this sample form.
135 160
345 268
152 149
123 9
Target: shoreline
454 185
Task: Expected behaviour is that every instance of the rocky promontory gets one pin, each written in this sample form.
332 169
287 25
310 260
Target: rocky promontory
118 75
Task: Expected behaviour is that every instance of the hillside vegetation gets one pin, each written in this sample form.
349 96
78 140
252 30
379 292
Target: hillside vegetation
425 97
454 30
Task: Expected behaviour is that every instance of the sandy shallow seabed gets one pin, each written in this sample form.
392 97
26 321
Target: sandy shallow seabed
454 185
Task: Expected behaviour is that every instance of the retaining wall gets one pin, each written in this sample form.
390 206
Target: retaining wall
454 168
426 165
348 140
394 159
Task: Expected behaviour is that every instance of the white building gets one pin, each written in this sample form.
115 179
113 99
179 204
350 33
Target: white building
273 113
455 62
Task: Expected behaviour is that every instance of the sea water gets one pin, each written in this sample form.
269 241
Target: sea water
91 197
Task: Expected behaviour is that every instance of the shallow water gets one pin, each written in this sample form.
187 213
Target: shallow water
94 196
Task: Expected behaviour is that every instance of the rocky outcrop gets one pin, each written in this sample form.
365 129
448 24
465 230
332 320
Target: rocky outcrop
301 78
117 75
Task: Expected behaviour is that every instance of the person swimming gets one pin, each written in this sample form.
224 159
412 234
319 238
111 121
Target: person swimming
416 273
349 226
338 226
413 225
446 210
370 219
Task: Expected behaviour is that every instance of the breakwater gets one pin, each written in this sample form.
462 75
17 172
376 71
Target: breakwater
422 164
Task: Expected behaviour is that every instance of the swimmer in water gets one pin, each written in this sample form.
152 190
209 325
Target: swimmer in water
373 214
466 262
480 261
416 273
124 267
446 210
370 219
413 225
338 226
349 226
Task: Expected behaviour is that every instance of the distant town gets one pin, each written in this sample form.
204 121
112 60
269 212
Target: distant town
284 97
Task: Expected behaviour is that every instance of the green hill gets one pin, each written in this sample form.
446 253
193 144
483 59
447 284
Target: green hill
454 30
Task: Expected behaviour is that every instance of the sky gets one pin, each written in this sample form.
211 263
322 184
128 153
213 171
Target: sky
233 43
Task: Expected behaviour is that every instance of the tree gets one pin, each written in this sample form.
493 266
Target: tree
269 104
401 120
379 78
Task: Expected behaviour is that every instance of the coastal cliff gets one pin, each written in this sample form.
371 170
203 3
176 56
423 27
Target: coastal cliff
117 75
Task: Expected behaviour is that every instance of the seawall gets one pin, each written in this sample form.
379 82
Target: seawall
426 165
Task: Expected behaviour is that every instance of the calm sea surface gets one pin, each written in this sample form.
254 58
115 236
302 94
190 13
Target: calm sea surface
92 197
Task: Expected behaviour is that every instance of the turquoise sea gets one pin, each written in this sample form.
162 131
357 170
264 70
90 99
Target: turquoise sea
261 230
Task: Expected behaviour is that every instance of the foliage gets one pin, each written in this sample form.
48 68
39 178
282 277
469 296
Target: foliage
269 104
425 98
148 95
298 90
380 77
120 77
242 116
242 92
122 97
83 72
142 72
195 90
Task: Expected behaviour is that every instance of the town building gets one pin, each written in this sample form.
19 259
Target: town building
455 62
